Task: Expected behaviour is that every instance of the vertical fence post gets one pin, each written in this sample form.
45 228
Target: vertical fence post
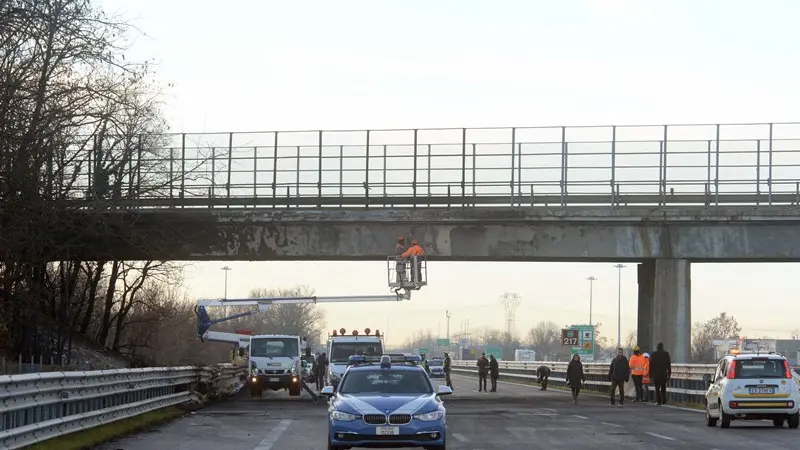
213 189
275 170
414 183
171 175
230 163
366 177
769 169
319 170
297 177
716 171
563 165
663 159
255 177
513 156
183 168
429 175
708 176
613 164
341 175
519 173
474 173
758 172
463 167
384 175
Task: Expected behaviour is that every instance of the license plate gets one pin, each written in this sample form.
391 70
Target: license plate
762 391
274 380
387 431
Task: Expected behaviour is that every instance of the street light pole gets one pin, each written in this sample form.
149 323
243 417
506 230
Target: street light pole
447 314
225 297
619 304
591 292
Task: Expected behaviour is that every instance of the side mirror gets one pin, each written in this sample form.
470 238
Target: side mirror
707 378
444 390
327 391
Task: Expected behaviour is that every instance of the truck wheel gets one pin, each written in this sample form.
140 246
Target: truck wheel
794 420
255 391
294 391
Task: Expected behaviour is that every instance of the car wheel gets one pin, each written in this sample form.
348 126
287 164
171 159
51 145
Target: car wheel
710 421
778 423
794 420
726 420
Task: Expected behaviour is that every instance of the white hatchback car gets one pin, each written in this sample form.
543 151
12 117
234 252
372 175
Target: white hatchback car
751 386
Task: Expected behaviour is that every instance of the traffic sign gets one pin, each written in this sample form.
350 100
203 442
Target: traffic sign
496 351
569 337
423 351
585 345
443 342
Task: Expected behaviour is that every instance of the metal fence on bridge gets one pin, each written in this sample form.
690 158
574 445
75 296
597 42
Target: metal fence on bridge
738 164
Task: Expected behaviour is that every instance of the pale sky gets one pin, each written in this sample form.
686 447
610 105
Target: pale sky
268 65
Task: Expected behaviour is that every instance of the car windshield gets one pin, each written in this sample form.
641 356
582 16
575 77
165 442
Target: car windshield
386 382
274 347
435 362
342 351
760 368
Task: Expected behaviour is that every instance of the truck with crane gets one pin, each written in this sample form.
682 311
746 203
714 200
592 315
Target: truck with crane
342 346
276 361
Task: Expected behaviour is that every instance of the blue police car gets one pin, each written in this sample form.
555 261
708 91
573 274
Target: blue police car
386 402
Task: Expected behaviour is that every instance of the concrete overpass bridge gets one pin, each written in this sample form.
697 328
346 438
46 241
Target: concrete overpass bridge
661 196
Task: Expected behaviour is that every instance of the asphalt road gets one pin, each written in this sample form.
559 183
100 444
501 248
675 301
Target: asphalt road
515 417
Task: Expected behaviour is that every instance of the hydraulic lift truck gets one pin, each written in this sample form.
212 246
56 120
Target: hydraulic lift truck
400 280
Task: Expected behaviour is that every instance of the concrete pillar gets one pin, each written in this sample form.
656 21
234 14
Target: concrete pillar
672 315
646 273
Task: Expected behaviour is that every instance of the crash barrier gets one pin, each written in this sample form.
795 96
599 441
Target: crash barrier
40 406
685 386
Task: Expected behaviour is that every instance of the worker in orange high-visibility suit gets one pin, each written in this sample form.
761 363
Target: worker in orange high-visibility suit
646 379
637 363
415 250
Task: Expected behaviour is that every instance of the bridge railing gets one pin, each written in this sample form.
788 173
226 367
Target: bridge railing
40 406
734 164
685 386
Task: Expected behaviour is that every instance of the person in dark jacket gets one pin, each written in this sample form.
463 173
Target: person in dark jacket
619 372
660 372
321 367
494 372
575 377
543 373
483 371
446 368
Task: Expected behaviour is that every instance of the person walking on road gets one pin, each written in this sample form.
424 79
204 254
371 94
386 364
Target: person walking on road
494 372
637 364
446 368
321 367
646 379
543 373
575 377
660 372
483 371
618 373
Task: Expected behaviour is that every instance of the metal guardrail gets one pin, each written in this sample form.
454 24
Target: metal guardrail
40 406
685 386
665 165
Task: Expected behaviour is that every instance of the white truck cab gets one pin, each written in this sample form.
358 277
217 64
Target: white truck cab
342 346
752 386
275 362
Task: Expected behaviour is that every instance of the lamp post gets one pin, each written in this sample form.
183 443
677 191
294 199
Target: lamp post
225 296
619 304
591 279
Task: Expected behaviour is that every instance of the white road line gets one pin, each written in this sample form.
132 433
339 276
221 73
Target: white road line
660 436
612 424
580 417
273 435
460 437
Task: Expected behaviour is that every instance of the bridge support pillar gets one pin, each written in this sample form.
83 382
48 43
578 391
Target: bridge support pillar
665 307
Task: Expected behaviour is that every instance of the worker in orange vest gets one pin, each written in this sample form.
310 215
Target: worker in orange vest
415 250
638 367
646 378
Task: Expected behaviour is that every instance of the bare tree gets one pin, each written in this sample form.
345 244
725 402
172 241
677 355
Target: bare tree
722 327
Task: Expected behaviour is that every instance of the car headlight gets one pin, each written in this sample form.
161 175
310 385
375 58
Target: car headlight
343 416
294 370
433 415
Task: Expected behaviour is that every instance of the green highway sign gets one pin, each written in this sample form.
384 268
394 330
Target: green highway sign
443 342
585 344
423 351
496 351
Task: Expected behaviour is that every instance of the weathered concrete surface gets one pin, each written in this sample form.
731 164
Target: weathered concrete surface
473 234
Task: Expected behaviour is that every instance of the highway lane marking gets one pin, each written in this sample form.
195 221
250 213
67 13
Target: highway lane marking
659 436
273 435
460 437
580 417
612 424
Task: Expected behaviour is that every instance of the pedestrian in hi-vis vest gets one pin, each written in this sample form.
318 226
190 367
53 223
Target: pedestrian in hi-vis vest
638 365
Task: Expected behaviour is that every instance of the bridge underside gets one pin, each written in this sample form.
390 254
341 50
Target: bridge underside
477 234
